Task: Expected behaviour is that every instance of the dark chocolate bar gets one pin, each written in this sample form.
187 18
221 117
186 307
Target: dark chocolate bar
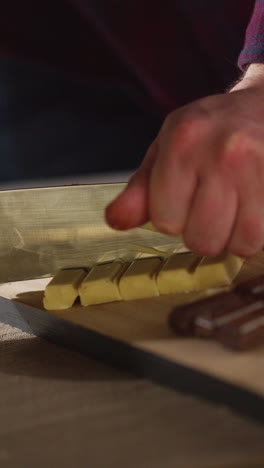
208 323
244 333
183 317
254 286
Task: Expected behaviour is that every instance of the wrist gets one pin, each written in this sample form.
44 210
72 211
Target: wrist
252 78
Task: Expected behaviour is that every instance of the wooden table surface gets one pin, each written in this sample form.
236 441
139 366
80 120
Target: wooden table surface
61 409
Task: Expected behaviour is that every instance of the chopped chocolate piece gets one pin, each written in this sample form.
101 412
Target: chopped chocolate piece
234 306
243 333
183 317
254 286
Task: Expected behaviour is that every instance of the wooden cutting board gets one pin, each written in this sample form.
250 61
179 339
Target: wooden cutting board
135 335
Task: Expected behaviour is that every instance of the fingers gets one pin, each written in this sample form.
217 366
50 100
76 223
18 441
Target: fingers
211 216
248 236
245 159
203 177
228 208
174 175
171 190
130 208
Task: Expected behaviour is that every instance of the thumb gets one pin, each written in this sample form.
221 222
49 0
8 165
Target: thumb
130 208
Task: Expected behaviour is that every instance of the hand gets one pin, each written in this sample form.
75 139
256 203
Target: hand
203 176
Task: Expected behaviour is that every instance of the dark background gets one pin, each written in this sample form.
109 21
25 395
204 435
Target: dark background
70 105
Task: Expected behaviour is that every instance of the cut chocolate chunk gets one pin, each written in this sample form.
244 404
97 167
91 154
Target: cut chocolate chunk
101 284
217 271
208 323
62 290
176 274
139 280
254 286
243 333
182 319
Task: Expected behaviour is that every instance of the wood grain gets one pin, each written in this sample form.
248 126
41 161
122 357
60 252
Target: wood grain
143 325
59 408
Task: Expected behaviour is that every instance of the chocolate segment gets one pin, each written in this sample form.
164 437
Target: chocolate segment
183 319
254 286
217 271
207 324
101 284
139 279
62 290
243 333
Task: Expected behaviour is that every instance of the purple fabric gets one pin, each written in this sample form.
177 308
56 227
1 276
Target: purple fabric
253 50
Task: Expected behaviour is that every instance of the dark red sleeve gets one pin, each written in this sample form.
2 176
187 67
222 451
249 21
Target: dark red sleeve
253 50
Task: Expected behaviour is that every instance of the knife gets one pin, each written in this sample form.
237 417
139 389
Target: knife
46 229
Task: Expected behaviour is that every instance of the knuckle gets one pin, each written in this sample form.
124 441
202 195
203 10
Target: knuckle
188 131
169 123
236 150
183 129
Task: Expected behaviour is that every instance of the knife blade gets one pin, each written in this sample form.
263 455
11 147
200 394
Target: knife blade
46 229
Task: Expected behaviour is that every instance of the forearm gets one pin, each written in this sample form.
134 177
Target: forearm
253 77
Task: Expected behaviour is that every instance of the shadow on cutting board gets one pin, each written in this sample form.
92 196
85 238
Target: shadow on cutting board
35 357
